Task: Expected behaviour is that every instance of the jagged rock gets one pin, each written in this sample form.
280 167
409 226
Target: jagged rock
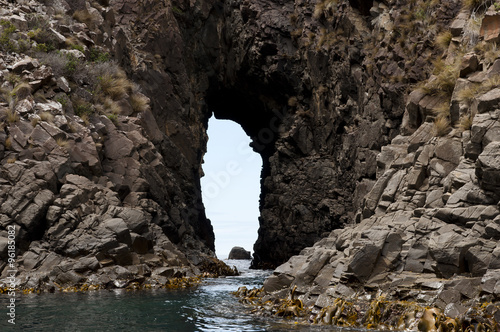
277 282
459 23
488 167
62 83
459 107
464 173
454 310
140 244
469 64
492 229
373 197
239 253
363 261
25 64
118 146
472 194
490 28
124 191
388 155
416 177
488 101
53 107
119 228
18 21
421 136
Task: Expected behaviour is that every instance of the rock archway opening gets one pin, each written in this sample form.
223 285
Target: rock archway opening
231 186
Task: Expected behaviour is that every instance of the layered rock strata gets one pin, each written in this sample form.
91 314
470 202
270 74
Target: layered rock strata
428 230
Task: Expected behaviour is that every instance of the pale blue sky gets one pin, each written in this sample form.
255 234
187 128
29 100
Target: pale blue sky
231 186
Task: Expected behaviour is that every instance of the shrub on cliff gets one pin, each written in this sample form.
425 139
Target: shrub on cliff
7 43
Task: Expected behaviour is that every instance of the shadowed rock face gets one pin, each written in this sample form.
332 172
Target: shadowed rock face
295 78
319 87
239 253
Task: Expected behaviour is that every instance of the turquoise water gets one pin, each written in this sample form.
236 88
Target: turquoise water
209 307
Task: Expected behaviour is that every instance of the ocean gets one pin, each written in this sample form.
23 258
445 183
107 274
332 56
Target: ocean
209 307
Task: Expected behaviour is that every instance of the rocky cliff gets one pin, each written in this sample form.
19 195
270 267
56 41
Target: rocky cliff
374 120
100 182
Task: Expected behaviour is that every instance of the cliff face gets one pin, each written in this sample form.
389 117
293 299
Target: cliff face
100 183
320 88
103 183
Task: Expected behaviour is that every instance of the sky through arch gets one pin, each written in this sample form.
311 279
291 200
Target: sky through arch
231 186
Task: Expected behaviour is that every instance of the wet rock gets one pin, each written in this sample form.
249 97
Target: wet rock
239 253
277 282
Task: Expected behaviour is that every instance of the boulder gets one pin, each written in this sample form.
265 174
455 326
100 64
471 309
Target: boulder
469 64
239 253
421 136
25 64
459 23
119 228
488 167
277 282
488 101
490 28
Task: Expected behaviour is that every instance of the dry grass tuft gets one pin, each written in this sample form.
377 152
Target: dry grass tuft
441 126
490 84
11 116
475 5
73 128
443 40
8 143
467 95
465 122
442 111
444 81
46 116
116 85
292 101
139 102
111 106
62 142
34 121
83 16
318 10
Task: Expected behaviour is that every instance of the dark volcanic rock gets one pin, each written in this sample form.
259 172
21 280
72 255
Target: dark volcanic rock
358 182
239 253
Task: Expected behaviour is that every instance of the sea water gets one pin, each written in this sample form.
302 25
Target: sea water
208 307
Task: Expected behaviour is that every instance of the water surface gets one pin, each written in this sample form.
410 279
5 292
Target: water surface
209 307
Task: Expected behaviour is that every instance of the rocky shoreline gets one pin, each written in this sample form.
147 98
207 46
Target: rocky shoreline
85 181
427 231
378 124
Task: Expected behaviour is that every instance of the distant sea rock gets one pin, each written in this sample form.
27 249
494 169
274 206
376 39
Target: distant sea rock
239 253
